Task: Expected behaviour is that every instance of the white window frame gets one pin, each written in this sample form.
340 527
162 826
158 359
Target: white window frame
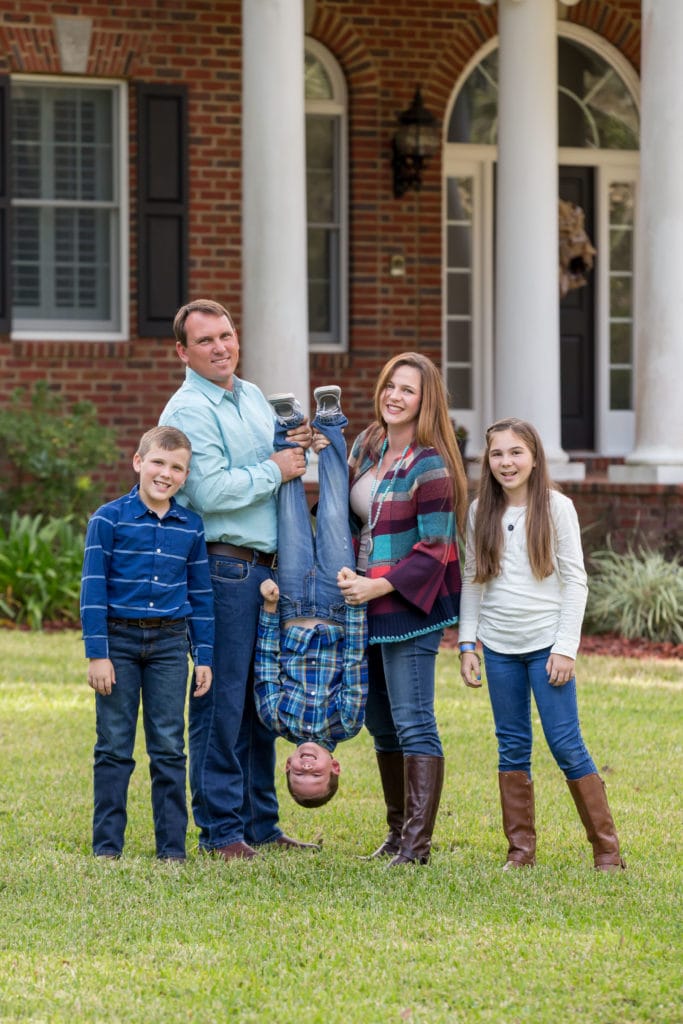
336 107
480 171
84 330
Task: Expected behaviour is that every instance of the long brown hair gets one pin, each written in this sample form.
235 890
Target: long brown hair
488 523
434 428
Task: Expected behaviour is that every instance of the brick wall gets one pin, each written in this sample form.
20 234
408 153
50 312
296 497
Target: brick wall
629 515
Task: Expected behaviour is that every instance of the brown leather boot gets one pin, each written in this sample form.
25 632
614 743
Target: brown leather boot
517 802
590 798
423 784
391 773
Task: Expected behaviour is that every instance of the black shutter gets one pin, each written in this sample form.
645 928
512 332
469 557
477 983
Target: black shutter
162 206
5 209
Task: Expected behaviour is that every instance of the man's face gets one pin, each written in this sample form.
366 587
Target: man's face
212 349
309 770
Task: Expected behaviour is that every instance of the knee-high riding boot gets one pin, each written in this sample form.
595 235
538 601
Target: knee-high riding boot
517 803
391 773
590 798
423 785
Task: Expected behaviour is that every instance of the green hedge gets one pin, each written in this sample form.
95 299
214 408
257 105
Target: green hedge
40 570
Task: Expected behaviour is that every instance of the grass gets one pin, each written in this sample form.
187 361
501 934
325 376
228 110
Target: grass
329 937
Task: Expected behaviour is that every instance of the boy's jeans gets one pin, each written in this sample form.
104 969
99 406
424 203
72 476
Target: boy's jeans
308 564
150 664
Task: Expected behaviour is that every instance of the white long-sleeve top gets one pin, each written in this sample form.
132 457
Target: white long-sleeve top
515 613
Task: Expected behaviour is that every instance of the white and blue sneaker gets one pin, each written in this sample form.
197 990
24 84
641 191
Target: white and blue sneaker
327 398
287 408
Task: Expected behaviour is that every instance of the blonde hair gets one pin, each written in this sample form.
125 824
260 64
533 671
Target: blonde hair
434 428
488 523
314 801
167 438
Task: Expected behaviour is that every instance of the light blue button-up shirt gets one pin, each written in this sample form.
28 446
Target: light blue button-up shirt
233 483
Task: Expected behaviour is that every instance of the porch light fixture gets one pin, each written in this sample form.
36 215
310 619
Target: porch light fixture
416 139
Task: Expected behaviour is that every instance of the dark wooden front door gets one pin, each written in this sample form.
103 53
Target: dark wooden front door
577 330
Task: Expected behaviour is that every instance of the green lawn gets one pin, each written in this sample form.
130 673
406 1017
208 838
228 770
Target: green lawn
329 937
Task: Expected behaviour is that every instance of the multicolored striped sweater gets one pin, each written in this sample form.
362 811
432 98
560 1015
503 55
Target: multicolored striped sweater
414 544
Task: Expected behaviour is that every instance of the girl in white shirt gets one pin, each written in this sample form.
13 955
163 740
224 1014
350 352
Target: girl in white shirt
524 595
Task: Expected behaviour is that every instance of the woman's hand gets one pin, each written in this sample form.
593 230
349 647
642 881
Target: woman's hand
470 669
560 669
360 589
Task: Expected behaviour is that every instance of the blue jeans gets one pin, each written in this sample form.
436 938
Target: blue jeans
511 679
232 754
400 710
307 563
150 664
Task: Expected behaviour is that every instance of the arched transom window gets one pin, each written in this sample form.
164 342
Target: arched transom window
595 108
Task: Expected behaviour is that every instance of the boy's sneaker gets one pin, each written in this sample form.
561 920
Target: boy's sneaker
327 400
286 407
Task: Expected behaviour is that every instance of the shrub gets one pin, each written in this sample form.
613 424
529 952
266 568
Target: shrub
52 451
40 570
636 594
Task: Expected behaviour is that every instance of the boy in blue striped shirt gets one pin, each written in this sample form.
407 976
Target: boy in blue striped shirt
145 588
311 669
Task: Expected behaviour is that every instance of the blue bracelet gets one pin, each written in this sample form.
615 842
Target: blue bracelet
468 647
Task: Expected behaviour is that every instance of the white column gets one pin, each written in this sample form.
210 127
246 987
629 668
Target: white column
527 345
274 332
658 455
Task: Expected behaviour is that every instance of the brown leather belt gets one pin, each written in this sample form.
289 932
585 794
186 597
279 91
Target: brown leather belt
246 554
146 623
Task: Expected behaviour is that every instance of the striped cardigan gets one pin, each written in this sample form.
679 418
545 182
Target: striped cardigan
414 545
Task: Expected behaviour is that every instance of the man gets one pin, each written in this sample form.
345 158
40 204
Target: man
233 483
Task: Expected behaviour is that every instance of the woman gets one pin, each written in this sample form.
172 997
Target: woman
524 596
410 493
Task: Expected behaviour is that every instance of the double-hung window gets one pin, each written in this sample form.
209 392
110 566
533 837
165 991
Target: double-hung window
326 194
69 209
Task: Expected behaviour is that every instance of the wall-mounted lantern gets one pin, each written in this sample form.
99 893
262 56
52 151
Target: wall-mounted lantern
416 139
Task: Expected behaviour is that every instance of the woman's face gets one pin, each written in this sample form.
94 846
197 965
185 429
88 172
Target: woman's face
401 397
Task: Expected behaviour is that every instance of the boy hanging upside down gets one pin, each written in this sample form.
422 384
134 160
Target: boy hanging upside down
311 676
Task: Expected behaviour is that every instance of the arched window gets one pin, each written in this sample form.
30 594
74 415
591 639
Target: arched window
326 198
595 108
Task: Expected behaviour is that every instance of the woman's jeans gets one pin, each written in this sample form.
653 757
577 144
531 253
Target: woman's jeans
152 665
511 679
308 565
400 710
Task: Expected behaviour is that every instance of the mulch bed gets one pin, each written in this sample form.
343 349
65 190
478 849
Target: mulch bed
609 644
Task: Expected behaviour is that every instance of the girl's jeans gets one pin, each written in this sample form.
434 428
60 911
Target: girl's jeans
511 680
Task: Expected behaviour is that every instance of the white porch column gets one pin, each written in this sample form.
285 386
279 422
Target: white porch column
274 333
527 345
658 455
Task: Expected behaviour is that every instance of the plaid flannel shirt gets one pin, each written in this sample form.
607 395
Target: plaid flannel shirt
312 682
